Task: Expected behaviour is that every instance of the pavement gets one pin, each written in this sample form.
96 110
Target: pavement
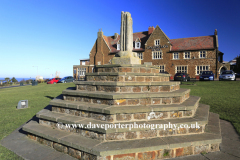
28 149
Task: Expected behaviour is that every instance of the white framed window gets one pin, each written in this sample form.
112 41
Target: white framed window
157 55
118 46
161 69
83 63
202 54
200 69
140 55
137 45
157 42
186 55
181 69
175 55
81 71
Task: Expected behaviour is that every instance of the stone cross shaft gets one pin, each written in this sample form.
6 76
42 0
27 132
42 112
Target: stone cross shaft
126 32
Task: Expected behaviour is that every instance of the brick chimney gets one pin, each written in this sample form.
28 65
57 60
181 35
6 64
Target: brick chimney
150 30
116 35
100 33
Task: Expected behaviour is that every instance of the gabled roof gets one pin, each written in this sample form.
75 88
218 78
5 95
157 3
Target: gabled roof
112 43
192 43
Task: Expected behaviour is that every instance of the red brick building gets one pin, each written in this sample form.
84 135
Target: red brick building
192 55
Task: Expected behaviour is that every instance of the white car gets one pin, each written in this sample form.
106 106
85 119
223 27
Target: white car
227 75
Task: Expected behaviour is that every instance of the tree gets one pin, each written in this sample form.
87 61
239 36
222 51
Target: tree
7 79
14 79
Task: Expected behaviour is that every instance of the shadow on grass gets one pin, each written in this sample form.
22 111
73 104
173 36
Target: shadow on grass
58 97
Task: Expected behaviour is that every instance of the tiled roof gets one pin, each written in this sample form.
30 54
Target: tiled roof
193 43
112 43
181 44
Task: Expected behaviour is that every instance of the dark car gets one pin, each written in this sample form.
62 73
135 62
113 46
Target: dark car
227 75
66 79
181 77
206 76
238 75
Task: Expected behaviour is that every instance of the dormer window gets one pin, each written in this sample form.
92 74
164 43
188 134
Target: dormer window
118 45
137 44
157 42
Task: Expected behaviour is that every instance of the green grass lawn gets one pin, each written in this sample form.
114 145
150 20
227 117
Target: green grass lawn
10 118
223 98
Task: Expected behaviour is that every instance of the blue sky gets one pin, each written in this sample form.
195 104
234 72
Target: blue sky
54 34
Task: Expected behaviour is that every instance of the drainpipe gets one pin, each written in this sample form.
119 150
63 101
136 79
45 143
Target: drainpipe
216 46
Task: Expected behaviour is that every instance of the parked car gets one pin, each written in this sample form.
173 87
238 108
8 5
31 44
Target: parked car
206 76
66 79
53 80
227 75
181 77
238 75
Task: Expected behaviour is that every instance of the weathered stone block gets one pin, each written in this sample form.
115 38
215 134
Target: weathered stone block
126 89
120 102
148 79
147 155
130 156
165 89
166 100
136 89
136 70
131 135
166 153
146 101
156 101
182 131
187 113
123 117
60 148
156 79
130 78
175 114
54 109
195 130
32 137
147 134
154 89
140 79
158 115
114 136
133 101
176 99
74 153
201 149
146 88
214 147
139 115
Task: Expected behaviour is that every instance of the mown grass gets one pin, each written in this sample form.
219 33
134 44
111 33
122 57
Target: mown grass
10 118
223 98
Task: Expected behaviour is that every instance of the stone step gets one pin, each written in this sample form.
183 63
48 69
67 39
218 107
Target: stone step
127 77
126 83
52 118
133 69
159 148
106 95
124 87
131 99
189 104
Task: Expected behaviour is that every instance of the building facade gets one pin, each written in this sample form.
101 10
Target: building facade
191 55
